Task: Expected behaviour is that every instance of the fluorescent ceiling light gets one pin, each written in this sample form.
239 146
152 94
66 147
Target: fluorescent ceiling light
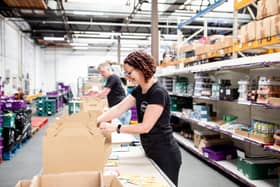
80 48
79 44
54 38
88 13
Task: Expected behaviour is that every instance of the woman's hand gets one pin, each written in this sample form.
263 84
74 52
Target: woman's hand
108 127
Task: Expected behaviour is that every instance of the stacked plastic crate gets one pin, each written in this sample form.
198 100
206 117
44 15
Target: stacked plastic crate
50 106
54 95
40 106
9 141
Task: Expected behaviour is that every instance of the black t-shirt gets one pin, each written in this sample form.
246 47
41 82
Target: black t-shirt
155 95
117 92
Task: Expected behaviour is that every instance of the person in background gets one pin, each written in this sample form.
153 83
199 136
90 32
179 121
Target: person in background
113 90
153 111
19 95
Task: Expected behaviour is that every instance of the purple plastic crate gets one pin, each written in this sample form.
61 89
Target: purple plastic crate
1 150
15 104
53 93
220 152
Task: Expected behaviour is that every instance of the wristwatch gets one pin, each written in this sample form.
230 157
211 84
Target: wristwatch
119 128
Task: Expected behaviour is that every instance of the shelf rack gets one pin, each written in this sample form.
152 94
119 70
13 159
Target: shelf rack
228 166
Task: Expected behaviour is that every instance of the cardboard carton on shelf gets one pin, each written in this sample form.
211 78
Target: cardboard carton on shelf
275 25
263 139
243 34
267 8
71 179
241 132
263 28
251 29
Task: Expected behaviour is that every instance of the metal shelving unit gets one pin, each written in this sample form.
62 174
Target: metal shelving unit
215 127
229 167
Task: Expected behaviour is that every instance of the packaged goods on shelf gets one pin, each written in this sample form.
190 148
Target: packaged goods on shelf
252 93
269 88
201 112
227 92
267 8
220 152
263 131
243 90
202 84
215 91
258 168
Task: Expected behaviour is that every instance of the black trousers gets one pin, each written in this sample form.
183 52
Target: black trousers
166 154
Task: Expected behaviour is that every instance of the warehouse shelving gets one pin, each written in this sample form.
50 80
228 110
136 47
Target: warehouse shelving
216 127
229 167
239 4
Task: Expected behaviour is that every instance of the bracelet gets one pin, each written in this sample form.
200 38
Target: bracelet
119 128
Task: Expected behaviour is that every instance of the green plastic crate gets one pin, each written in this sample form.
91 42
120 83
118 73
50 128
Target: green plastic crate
8 119
73 107
258 169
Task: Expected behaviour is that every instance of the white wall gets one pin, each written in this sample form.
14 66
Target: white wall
67 65
19 56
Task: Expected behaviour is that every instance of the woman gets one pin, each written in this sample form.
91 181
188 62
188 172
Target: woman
153 111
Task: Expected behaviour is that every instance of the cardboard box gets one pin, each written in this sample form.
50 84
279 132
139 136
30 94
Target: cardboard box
75 179
267 8
251 30
275 25
93 104
263 28
75 147
263 139
243 34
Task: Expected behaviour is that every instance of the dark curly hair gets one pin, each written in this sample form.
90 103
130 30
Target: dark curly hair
143 62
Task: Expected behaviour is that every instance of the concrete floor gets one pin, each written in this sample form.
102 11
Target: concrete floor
27 162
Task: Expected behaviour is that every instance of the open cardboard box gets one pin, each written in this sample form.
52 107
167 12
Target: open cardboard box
71 179
92 104
75 146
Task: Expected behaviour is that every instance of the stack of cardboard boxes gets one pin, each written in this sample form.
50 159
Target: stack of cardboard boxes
267 24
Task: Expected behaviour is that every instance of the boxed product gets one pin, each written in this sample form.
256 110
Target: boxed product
258 168
220 152
267 8
263 28
84 179
75 145
274 25
251 30
243 34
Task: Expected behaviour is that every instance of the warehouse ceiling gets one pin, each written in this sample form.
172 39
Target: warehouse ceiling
97 24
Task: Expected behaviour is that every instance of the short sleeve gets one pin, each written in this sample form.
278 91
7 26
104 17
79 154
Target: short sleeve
135 91
158 96
112 80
